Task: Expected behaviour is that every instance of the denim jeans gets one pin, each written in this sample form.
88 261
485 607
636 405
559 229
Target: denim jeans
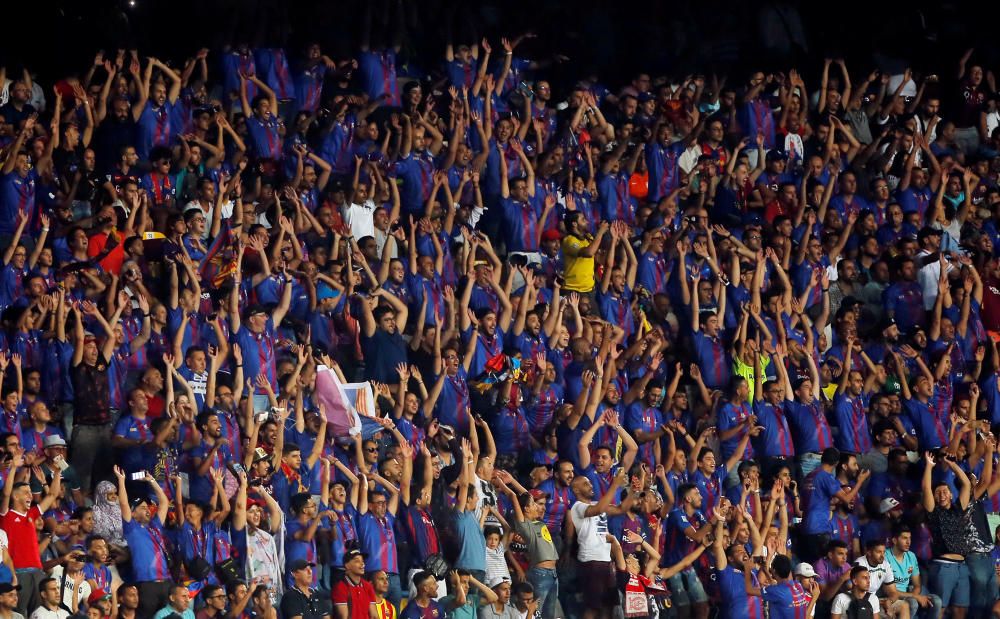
932 612
546 585
951 582
982 583
808 463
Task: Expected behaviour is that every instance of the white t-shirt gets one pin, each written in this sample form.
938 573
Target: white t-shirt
843 600
591 533
361 219
67 598
43 613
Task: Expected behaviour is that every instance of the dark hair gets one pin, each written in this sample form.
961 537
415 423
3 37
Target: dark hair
874 542
683 489
522 587
488 531
126 585
857 569
43 582
831 456
781 566
834 544
210 590
299 501
420 577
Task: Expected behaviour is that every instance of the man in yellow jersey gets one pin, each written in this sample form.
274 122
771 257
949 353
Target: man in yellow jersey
578 249
384 608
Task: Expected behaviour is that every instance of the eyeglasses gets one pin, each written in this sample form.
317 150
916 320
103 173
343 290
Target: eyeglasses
371 450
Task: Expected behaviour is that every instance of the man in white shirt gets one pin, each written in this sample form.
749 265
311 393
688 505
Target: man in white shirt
50 594
359 215
853 603
590 520
881 577
929 271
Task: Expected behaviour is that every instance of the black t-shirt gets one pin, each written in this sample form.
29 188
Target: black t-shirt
91 393
295 602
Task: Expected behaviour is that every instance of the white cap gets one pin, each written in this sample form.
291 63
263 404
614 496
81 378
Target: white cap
887 505
804 569
496 581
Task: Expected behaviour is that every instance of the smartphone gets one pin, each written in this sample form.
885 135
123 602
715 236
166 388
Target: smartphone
237 468
261 417
61 463
140 476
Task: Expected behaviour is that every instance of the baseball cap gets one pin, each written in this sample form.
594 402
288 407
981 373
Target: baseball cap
776 154
54 440
352 554
96 596
324 291
256 308
6 587
301 564
805 569
551 235
538 495
887 505
137 501
497 581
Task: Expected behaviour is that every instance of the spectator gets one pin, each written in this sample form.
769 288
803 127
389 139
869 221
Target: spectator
50 596
178 603
303 601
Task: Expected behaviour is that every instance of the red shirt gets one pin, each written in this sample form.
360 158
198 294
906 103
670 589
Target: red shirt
358 597
23 537
156 405
991 305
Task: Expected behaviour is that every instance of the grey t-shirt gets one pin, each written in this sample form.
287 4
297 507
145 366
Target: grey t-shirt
490 612
539 540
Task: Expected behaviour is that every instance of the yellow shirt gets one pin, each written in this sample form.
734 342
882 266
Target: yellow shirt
746 371
579 270
385 610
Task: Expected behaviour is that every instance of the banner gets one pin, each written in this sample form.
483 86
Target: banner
344 404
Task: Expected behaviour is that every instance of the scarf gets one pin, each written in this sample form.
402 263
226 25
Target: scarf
108 515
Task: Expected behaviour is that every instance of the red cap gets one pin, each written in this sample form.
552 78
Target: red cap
537 494
551 235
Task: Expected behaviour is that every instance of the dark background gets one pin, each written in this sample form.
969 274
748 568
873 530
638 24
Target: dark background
613 38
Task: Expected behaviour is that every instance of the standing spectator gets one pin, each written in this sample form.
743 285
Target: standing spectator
147 543
18 517
590 521
542 556
92 416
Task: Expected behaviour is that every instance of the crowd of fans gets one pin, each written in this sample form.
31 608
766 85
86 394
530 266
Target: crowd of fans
652 346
